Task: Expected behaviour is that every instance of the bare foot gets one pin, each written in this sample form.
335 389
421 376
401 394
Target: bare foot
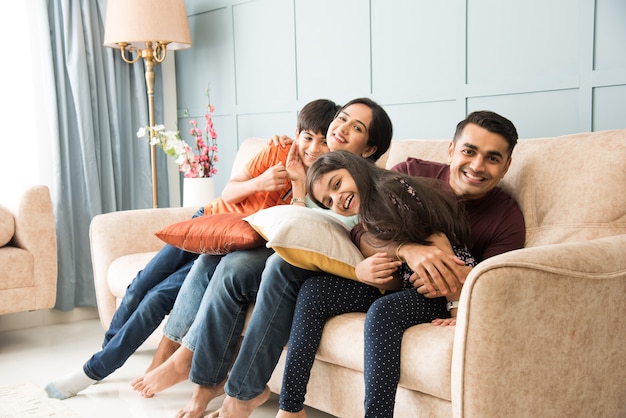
173 371
285 414
164 351
200 398
234 408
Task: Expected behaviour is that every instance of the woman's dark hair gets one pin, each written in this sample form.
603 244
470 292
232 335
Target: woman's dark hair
394 206
381 128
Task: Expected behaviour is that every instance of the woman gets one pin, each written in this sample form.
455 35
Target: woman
392 207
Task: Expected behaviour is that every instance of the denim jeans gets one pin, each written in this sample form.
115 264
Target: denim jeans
215 332
191 293
267 332
147 300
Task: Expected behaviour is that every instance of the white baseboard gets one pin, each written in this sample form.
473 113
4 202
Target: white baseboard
45 317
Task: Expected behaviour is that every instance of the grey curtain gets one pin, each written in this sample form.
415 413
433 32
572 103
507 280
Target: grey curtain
99 164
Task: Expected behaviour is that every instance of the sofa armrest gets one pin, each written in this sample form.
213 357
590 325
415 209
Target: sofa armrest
35 232
116 234
538 331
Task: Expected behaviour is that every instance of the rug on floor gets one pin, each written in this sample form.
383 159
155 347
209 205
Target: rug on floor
26 400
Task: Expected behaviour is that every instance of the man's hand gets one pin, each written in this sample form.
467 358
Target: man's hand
282 140
378 271
444 322
427 288
436 269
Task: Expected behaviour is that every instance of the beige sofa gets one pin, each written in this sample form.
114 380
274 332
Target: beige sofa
538 331
28 252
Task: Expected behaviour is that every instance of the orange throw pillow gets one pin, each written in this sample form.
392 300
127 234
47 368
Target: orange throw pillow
216 234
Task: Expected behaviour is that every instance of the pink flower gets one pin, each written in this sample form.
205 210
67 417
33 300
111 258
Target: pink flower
191 164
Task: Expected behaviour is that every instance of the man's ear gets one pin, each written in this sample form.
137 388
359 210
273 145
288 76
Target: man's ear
506 167
450 151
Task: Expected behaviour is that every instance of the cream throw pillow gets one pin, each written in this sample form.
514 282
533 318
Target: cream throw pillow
7 226
312 239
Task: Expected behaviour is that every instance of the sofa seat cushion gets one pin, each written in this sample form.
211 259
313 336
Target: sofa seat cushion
123 270
18 267
7 226
426 355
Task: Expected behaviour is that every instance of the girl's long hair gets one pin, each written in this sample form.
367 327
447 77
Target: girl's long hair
397 207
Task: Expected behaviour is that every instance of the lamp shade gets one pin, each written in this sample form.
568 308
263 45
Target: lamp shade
137 21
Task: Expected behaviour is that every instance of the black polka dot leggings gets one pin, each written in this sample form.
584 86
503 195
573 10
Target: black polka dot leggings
387 317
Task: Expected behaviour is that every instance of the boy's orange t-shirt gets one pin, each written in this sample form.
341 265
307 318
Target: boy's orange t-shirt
265 159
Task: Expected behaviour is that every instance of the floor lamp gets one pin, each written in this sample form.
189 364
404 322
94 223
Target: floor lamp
147 29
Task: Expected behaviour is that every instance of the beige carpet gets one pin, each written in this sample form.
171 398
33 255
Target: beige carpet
26 400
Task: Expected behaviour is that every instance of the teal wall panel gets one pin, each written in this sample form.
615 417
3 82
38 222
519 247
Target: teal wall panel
553 67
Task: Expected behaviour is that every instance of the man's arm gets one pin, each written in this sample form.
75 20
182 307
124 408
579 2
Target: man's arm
435 265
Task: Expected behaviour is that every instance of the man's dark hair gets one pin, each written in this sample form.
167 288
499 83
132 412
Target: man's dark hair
492 122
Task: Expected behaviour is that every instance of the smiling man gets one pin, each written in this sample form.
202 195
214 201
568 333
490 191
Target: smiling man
479 156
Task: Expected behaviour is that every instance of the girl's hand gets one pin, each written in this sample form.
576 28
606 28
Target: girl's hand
378 271
282 140
294 166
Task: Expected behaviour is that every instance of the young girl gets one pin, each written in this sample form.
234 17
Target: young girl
392 207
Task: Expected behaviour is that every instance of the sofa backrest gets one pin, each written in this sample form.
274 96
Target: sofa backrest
569 188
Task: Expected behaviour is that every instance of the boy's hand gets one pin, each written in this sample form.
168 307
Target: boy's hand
273 178
378 271
282 140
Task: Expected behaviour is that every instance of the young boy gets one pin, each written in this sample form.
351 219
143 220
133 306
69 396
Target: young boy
265 182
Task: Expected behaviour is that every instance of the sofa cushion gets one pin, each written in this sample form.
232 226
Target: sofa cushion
311 239
217 234
7 226
18 267
342 344
595 208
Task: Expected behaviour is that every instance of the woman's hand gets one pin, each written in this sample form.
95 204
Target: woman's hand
379 271
282 140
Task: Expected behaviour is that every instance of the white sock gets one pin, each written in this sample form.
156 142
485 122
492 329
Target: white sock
69 385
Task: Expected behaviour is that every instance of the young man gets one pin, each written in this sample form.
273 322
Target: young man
264 183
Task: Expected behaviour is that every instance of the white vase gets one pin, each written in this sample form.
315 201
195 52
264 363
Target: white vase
198 191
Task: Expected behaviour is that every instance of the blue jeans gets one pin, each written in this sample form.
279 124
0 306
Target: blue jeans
215 332
147 300
191 293
266 335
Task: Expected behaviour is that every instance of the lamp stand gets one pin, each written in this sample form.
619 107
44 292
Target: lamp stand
151 55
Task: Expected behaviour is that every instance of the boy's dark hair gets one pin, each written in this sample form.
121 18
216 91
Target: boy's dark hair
492 122
316 115
381 128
